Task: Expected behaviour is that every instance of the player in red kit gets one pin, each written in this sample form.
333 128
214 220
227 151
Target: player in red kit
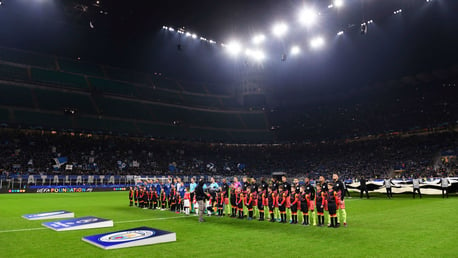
249 201
294 204
131 196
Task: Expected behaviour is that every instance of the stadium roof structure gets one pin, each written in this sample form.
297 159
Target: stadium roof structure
403 37
310 54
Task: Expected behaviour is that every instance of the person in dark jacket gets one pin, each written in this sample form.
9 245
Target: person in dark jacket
363 188
200 198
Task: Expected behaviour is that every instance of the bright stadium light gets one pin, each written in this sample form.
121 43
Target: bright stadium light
295 50
194 36
258 55
370 21
340 33
317 42
280 29
165 27
258 39
212 41
308 17
233 47
171 29
188 34
338 3
397 11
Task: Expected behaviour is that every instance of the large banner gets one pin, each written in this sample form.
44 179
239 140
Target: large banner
64 189
405 186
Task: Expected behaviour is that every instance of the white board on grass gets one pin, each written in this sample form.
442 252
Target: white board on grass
130 238
61 214
78 223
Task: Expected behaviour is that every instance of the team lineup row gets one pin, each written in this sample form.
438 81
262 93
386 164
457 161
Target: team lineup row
247 199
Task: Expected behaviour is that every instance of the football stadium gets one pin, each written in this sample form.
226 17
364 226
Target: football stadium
321 128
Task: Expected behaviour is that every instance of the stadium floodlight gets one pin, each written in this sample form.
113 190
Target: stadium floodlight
295 50
165 27
280 29
212 41
370 21
397 11
338 3
194 36
340 33
258 39
258 55
330 6
233 47
188 34
308 16
171 29
203 39
317 42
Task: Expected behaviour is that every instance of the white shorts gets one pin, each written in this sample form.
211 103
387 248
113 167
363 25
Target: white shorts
186 203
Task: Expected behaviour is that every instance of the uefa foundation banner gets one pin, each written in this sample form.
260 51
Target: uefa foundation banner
61 214
79 223
130 238
54 189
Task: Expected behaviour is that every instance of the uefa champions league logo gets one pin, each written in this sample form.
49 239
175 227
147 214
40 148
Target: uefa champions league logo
127 236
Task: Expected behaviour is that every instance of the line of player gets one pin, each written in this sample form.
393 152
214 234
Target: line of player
244 199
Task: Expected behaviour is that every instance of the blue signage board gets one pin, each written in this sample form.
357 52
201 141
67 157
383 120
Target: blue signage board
61 214
79 223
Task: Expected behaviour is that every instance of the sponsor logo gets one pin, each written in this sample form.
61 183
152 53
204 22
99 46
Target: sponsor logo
16 191
85 221
64 190
127 236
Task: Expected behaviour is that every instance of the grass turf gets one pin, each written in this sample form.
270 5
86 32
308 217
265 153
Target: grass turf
401 227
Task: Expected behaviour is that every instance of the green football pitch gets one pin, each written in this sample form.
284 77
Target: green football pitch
401 227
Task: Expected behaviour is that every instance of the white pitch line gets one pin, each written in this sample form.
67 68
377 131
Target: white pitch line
140 220
120 222
22 229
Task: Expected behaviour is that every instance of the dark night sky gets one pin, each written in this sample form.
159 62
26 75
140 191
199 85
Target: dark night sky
423 38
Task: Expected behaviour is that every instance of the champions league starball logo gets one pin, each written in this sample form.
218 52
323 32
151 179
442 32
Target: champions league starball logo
86 221
127 236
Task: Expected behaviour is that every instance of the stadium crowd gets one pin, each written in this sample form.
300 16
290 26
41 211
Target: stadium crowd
27 152
385 107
